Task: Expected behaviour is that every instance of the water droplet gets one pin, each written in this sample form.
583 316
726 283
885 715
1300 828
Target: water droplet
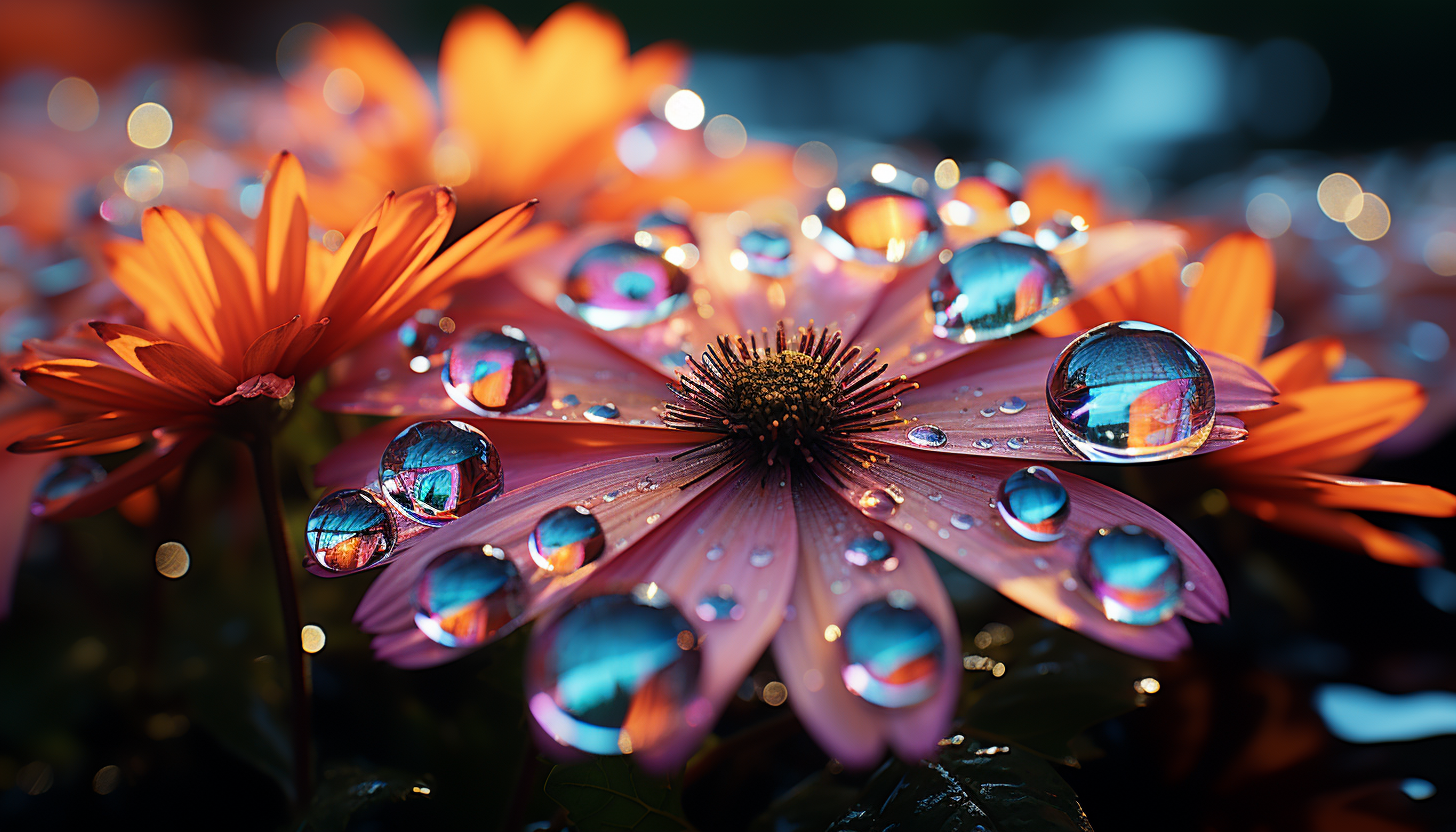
927 436
1062 233
1034 504
767 252
1132 574
715 553
602 412
613 674
963 521
720 607
983 444
995 288
422 335
464 596
495 372
872 550
893 656
661 230
439 471
348 531
880 225
988 412
1129 391
878 504
65 478
1013 405
567 539
618 284
761 557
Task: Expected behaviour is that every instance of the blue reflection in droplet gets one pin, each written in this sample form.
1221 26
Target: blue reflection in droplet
995 288
348 531
1130 391
1417 789
613 674
619 284
1034 503
768 252
464 596
440 471
1359 714
871 549
492 372
720 607
892 656
1134 576
566 539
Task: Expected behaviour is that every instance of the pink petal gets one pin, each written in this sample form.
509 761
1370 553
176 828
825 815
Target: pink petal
1035 575
1237 386
902 323
171 450
828 591
644 489
739 518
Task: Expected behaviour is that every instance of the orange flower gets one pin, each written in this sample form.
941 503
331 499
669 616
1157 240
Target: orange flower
224 323
517 118
1292 470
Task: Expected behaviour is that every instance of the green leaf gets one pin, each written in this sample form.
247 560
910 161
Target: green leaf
969 787
611 793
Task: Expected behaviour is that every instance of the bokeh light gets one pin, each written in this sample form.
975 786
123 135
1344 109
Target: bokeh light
1373 220
1267 215
725 136
73 104
149 125
815 164
683 110
313 637
344 91
1340 197
173 560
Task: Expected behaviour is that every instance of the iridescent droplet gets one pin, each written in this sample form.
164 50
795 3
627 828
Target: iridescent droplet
983 444
348 531
1034 503
962 521
1014 443
614 674
661 230
995 288
892 656
871 550
439 471
1013 405
927 436
878 504
1062 233
619 284
464 596
768 252
65 478
602 412
720 607
1132 574
880 225
491 373
1130 391
567 539
988 412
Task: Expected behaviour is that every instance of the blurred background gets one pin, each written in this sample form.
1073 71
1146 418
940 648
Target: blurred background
126 698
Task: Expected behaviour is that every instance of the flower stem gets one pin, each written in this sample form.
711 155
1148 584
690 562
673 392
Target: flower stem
300 681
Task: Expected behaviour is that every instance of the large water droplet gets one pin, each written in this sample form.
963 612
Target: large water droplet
619 284
720 607
892 655
768 252
495 372
1034 504
1129 391
927 436
995 288
880 225
877 503
567 539
347 531
614 674
602 412
871 550
65 478
1134 575
464 596
440 471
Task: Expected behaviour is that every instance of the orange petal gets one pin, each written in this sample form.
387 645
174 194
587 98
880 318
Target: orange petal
263 354
87 385
166 361
1342 491
170 451
391 83
1305 364
98 429
282 245
1050 188
1228 308
239 292
1326 422
1337 528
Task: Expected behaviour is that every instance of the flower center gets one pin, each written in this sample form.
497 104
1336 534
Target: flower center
800 401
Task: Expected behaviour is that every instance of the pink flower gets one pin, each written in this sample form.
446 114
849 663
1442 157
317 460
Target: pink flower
779 496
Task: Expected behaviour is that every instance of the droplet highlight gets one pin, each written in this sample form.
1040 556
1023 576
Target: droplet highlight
1133 575
927 436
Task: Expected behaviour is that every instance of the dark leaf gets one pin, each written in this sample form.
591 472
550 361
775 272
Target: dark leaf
610 793
346 791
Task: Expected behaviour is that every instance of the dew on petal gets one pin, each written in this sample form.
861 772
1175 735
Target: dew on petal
566 539
1130 391
761 557
767 252
995 288
620 284
892 655
602 412
877 503
464 596
1013 405
1034 503
614 674
872 550
927 436
879 225
963 521
1133 575
348 531
492 372
720 607
424 335
439 471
